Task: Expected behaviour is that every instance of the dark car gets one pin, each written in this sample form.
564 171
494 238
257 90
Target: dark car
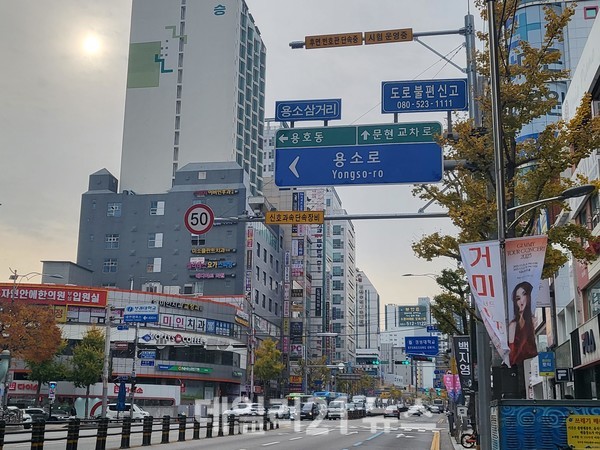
391 411
309 410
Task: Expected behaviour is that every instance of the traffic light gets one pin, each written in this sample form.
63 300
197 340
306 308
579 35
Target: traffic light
406 362
375 362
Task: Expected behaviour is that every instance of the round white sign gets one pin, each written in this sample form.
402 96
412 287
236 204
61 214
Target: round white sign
199 219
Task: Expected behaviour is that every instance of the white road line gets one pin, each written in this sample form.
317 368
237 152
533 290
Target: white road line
270 443
296 438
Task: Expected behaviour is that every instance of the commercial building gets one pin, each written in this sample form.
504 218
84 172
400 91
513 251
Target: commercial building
195 91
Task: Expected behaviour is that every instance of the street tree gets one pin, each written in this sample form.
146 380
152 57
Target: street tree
451 309
29 331
316 370
268 365
53 369
87 362
534 166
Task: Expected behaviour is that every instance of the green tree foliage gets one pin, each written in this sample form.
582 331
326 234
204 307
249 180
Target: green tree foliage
48 370
451 309
268 365
316 371
534 169
88 359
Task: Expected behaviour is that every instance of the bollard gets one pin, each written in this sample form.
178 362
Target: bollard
73 434
147 430
37 435
126 432
182 419
231 422
209 425
220 433
166 428
196 429
2 432
265 419
102 434
272 422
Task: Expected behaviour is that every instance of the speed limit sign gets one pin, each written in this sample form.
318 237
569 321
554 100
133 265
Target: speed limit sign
199 219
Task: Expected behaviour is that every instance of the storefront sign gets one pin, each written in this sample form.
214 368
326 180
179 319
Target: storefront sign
207 250
54 295
216 192
176 368
585 344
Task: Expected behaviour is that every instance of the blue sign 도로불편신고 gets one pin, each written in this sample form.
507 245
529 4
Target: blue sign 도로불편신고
421 345
297 110
359 155
424 96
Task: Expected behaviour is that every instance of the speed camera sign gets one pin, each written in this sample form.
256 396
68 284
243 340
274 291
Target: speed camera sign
199 219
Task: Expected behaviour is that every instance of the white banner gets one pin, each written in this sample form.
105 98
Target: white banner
482 264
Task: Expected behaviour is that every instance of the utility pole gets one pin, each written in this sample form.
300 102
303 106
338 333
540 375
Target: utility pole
106 363
133 374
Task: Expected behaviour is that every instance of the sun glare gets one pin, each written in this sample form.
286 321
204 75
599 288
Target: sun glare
91 45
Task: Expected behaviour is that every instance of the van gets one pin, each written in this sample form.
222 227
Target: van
336 410
113 414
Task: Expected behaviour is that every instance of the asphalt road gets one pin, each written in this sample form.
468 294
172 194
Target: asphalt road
374 433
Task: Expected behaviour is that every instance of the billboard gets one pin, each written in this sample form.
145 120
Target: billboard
412 316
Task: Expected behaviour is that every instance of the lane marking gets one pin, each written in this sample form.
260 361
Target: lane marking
296 438
270 443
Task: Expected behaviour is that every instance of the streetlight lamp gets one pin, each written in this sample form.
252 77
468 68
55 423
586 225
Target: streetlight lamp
15 277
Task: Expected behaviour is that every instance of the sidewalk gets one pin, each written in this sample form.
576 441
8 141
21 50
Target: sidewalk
447 442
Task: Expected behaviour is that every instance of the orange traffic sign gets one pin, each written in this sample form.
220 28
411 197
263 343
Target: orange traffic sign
333 40
294 217
386 36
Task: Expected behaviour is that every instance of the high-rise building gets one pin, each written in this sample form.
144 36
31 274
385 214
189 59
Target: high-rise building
195 91
367 313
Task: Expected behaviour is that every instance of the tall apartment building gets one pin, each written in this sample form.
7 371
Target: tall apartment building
195 91
367 313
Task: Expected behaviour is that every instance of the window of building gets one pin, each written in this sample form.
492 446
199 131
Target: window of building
111 241
114 209
157 208
590 12
153 265
276 308
337 299
264 278
257 273
271 260
338 271
271 283
338 258
338 244
337 285
337 230
256 296
264 300
109 265
270 305
155 240
264 254
258 249
197 240
277 266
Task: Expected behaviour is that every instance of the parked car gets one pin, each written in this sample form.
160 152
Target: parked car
256 409
434 409
26 420
138 413
279 411
241 409
36 413
336 410
391 411
58 415
310 410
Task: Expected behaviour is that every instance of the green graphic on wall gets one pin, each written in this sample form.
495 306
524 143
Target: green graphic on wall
143 70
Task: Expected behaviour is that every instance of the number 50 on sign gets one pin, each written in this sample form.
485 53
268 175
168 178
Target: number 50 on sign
199 219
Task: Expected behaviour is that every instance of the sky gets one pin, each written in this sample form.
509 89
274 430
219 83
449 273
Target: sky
63 98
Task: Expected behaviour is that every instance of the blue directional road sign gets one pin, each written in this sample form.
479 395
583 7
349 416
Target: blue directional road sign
424 96
296 110
140 313
359 155
421 345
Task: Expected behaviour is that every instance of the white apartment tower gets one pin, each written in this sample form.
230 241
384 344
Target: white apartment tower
367 313
195 91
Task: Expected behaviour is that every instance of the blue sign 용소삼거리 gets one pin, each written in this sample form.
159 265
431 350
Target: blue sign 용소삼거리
424 96
421 345
359 165
297 110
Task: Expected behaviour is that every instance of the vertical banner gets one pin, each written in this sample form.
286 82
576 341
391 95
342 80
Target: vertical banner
524 264
481 261
462 350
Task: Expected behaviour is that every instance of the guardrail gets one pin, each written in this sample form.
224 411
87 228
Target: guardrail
40 434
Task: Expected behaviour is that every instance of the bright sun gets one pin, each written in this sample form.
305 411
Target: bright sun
91 44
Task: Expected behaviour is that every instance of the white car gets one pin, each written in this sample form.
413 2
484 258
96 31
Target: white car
414 410
241 409
279 411
138 413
